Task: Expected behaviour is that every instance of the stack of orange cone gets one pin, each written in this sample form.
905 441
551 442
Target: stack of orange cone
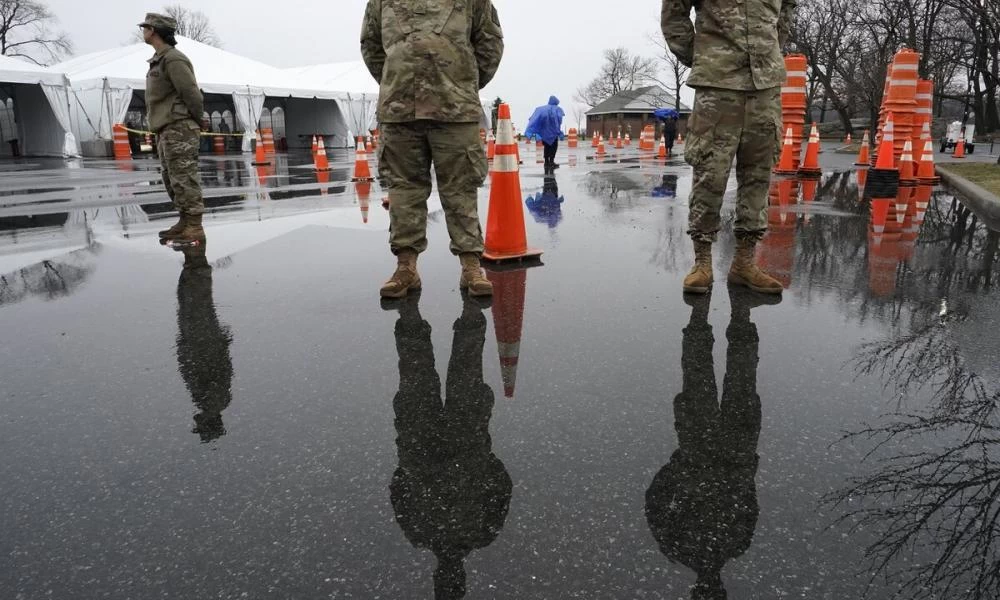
926 174
594 142
864 153
786 166
506 238
907 176
900 99
361 170
793 102
810 166
320 162
573 138
259 157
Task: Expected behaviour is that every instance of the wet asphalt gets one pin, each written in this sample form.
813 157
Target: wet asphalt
247 420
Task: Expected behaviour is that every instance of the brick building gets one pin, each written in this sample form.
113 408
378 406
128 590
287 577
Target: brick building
632 110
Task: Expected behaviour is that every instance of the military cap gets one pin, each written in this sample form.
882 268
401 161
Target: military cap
158 21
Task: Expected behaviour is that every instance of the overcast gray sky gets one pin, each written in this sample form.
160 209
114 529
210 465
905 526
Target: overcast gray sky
556 58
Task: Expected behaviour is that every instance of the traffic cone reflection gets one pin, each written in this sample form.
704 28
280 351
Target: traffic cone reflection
508 318
363 189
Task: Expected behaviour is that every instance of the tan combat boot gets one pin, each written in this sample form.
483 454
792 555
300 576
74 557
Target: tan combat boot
192 230
174 230
699 280
745 271
405 278
473 278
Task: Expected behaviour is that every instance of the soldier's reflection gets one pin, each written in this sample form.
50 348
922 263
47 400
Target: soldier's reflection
702 506
203 343
450 492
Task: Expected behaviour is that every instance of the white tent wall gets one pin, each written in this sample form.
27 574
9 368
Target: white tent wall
94 108
249 105
305 117
39 132
360 113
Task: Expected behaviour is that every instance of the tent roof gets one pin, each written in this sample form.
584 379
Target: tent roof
218 71
351 76
13 70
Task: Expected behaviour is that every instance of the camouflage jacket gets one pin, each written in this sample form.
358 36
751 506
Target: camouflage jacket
431 57
733 44
172 92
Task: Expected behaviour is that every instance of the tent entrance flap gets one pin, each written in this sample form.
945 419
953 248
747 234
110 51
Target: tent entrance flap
248 107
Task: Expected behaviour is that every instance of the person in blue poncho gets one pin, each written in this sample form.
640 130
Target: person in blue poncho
668 117
546 124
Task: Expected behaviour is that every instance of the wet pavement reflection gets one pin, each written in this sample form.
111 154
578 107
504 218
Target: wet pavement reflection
244 419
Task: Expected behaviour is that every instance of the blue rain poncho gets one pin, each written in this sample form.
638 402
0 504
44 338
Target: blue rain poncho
665 113
546 122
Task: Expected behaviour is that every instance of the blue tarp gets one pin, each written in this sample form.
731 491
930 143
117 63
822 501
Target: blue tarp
546 122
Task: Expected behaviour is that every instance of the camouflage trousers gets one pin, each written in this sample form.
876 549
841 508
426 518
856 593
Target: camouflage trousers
406 153
727 124
177 144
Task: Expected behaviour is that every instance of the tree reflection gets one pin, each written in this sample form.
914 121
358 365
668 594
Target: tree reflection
49 279
933 499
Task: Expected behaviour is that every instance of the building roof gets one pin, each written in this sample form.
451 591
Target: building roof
640 100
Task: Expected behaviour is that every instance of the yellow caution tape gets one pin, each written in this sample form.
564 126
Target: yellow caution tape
201 133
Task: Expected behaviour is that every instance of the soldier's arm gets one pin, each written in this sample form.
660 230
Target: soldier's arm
785 20
371 39
182 77
678 30
487 40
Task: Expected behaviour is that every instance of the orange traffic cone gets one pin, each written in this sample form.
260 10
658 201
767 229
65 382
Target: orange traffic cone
864 153
601 150
364 192
926 174
886 159
509 289
906 171
786 166
594 142
368 144
506 238
491 146
321 163
315 148
122 149
848 139
259 157
573 138
810 166
628 140
960 147
620 143
662 152
361 170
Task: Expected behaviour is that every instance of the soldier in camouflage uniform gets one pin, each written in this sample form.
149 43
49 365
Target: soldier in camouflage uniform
737 75
431 58
175 108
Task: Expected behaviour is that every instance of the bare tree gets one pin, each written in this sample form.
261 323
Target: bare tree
192 24
675 73
622 71
26 31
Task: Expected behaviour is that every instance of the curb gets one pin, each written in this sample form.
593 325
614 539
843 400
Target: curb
984 204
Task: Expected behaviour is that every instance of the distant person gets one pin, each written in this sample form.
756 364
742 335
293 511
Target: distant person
737 73
670 131
431 58
175 108
546 124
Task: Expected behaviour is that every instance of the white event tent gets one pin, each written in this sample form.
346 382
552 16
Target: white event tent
40 109
106 85
356 87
